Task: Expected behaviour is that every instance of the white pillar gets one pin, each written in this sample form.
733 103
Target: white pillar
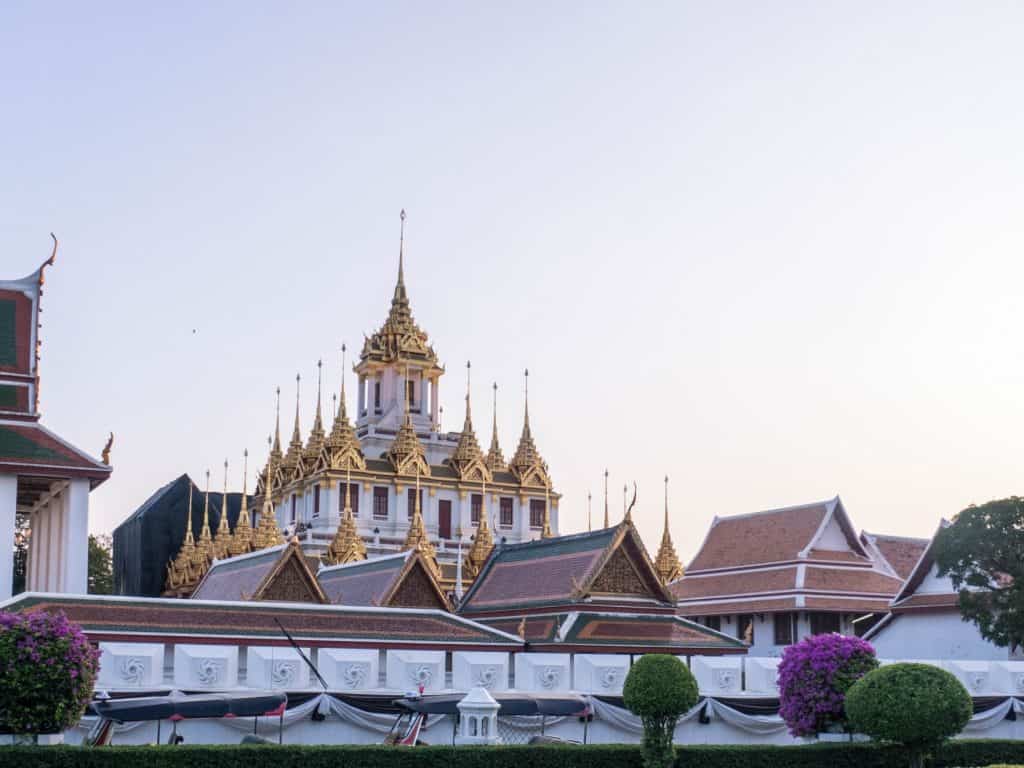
41 532
75 543
433 401
8 507
31 571
52 544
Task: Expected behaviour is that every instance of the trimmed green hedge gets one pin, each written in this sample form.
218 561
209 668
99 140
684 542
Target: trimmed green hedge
966 754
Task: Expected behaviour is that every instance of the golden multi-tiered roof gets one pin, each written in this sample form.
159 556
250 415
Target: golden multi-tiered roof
313 453
483 542
342 444
467 459
494 460
267 534
242 539
291 466
527 465
180 571
667 564
417 537
399 339
406 453
347 545
203 554
222 540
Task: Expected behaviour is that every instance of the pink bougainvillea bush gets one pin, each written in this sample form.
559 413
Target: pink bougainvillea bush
47 670
814 676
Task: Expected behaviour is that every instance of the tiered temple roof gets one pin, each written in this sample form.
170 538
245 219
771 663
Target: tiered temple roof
405 580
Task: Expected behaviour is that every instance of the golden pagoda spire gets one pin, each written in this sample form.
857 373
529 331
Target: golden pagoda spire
607 522
589 528
267 534
467 455
406 453
667 564
343 444
527 464
317 436
545 532
483 542
417 537
293 457
179 570
495 461
222 541
204 547
276 449
241 541
348 545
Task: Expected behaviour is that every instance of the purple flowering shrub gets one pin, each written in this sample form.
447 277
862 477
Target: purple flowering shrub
814 676
47 670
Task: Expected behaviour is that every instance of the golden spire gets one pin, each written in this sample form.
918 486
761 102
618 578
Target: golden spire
483 542
667 564
222 541
625 490
527 464
293 457
241 541
467 455
417 537
406 453
204 547
317 436
495 461
343 444
607 522
276 450
179 570
546 530
588 513
347 545
267 534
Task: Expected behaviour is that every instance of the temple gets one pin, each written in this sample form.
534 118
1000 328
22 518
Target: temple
44 480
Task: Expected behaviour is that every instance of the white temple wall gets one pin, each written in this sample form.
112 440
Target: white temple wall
934 636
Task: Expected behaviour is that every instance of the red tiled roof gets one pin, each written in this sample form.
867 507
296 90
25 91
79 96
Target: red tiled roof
836 556
901 553
237 578
106 617
730 584
716 608
852 605
943 600
362 583
765 537
29 448
861 580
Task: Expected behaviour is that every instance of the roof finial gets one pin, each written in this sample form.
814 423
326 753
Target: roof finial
319 381
625 488
667 563
588 513
400 287
296 433
666 502
468 367
188 524
341 408
277 423
607 522
526 399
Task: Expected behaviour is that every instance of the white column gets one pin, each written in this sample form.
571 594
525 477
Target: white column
8 507
75 545
52 543
361 396
433 400
41 532
31 577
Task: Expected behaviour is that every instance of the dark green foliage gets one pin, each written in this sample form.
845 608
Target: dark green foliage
658 689
101 571
983 553
967 754
917 705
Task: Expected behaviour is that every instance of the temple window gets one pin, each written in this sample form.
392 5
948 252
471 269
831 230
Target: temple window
745 625
823 623
411 502
505 513
476 505
713 622
410 393
376 396
294 505
316 500
353 491
380 503
537 513
785 628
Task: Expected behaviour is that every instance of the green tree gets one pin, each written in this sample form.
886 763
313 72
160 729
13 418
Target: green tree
983 553
658 689
101 568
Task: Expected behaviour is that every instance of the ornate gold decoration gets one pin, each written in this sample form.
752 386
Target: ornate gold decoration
290 580
342 444
268 479
347 545
105 455
222 541
467 460
267 534
406 453
399 339
667 564
291 466
313 457
495 461
545 532
180 572
242 540
417 538
204 547
527 465
483 542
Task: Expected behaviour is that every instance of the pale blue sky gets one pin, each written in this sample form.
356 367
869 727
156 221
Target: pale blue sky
770 249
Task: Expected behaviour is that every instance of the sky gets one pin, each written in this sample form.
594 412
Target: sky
771 250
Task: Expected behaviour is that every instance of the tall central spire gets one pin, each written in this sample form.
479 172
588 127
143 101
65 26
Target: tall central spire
400 294
667 564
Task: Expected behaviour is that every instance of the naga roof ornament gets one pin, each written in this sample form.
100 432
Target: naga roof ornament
495 461
342 445
467 459
347 545
399 339
527 465
667 564
241 540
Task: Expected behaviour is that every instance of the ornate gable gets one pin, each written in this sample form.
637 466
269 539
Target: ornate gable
290 580
620 577
416 588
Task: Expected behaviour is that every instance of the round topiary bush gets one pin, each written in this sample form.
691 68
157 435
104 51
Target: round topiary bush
917 705
659 689
47 669
814 676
